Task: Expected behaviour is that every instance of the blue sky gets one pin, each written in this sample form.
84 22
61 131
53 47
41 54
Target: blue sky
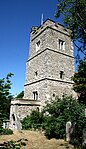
16 19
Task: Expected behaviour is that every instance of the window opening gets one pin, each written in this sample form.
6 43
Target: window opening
61 45
13 116
61 74
35 95
53 94
38 45
36 73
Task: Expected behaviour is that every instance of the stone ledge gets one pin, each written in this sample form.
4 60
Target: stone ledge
49 50
57 80
27 102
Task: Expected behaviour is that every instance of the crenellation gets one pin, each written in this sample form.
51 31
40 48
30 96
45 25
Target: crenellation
52 25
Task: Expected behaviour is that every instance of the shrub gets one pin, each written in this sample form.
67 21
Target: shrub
54 117
34 120
60 111
13 144
5 131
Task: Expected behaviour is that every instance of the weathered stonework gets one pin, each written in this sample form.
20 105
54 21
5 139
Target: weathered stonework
20 108
49 69
44 66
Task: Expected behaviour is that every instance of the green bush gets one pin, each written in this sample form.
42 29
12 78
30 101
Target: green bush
34 120
59 112
13 144
54 117
54 128
5 131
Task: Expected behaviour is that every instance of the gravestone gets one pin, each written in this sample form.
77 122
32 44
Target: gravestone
84 139
85 112
72 133
6 124
68 129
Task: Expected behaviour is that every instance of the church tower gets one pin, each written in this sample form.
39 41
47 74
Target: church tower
50 65
49 69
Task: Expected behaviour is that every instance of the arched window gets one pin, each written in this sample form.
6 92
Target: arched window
61 44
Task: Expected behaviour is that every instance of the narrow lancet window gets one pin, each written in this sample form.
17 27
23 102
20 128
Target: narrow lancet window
38 46
61 74
35 95
61 44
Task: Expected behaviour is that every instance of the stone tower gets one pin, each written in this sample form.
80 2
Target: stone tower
50 64
48 70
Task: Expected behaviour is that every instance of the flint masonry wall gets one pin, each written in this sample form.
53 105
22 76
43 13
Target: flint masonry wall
44 65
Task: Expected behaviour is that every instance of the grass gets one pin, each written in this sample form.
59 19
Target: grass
35 140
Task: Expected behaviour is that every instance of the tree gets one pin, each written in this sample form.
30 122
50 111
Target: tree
59 112
20 95
74 18
79 79
5 97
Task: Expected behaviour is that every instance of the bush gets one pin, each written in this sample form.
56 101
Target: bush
34 120
13 144
60 111
5 131
54 127
54 117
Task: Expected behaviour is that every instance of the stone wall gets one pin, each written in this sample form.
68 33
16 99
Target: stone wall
49 88
19 109
44 65
48 34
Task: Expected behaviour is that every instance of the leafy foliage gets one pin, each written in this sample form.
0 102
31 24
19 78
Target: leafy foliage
55 115
14 144
59 113
20 95
74 18
5 96
79 79
34 120
5 131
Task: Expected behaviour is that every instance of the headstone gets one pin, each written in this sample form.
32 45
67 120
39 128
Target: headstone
74 134
84 139
85 112
68 129
6 124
